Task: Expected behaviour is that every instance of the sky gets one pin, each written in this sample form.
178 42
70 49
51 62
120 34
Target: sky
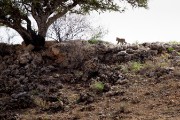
159 23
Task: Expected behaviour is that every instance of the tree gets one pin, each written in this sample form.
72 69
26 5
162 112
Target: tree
73 26
17 14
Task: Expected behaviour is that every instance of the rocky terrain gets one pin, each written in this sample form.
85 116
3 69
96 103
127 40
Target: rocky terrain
87 80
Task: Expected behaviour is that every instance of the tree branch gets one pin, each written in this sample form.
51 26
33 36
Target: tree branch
61 13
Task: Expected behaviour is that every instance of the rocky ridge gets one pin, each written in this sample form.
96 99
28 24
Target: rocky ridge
60 80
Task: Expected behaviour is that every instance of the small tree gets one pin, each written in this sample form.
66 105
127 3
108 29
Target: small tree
97 33
16 14
73 26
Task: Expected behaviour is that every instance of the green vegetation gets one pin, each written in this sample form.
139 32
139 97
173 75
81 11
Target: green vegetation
170 49
132 66
98 86
174 42
136 66
93 41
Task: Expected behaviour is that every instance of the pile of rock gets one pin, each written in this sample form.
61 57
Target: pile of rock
24 72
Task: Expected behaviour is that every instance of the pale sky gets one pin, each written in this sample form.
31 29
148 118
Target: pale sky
161 22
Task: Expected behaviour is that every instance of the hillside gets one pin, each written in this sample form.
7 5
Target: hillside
81 80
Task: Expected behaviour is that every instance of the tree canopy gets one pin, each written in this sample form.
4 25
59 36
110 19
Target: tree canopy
18 14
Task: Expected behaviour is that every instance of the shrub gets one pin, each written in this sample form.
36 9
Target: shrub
170 49
94 41
136 66
98 86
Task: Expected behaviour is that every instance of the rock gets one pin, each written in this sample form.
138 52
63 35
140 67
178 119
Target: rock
71 54
90 69
56 106
170 68
91 65
135 100
158 46
107 87
25 58
130 51
122 53
51 98
152 52
51 68
16 96
115 93
177 73
29 48
134 46
55 51
61 71
50 43
86 98
8 116
176 61
127 58
37 59
5 49
2 66
150 74
162 71
122 82
19 101
146 44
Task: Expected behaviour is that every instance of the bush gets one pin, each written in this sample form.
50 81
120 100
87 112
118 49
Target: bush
94 41
170 49
98 86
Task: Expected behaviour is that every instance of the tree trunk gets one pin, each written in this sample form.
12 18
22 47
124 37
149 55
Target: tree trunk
31 37
38 40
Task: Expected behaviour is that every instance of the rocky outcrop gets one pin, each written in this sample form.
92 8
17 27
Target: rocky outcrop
26 75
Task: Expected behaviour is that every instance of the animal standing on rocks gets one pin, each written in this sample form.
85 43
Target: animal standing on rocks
121 40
